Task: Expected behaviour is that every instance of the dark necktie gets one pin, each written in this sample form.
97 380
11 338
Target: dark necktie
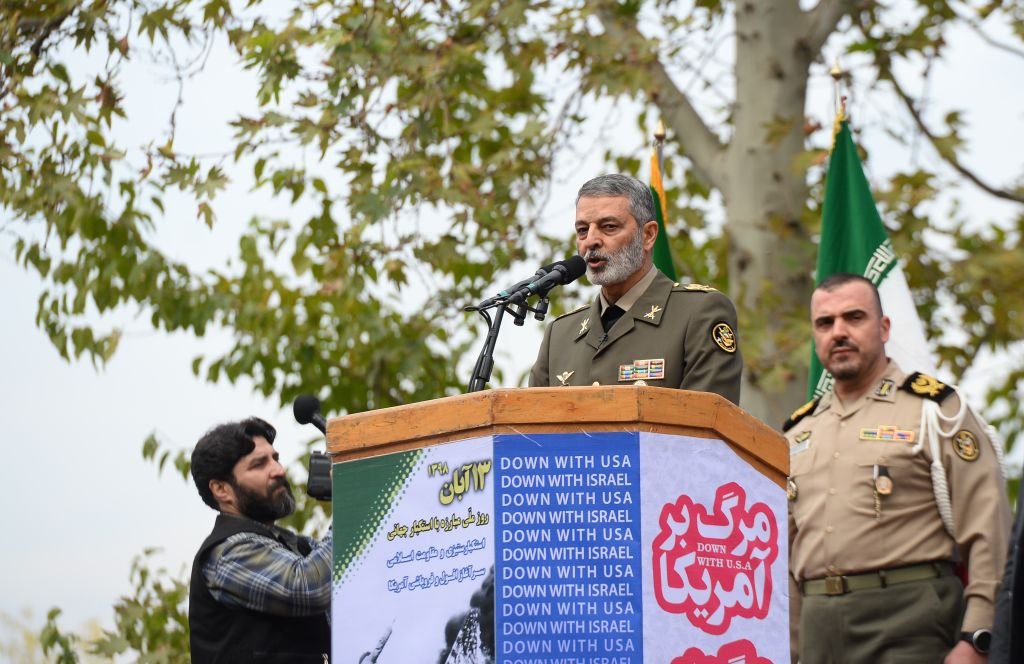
610 315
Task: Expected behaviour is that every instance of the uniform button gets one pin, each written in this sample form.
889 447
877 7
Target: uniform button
829 529
831 492
835 455
596 383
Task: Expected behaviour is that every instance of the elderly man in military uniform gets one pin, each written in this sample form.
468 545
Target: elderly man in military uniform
641 328
892 479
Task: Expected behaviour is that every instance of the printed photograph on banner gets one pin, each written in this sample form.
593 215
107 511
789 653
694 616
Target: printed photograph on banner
413 557
715 578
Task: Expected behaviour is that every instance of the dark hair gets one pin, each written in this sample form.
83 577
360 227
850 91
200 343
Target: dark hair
641 201
834 281
220 448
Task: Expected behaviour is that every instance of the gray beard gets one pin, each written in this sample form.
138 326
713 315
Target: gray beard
619 265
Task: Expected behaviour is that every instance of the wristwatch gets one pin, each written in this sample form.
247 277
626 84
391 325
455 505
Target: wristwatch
981 640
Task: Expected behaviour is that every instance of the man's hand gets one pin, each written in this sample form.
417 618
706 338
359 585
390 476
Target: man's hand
964 653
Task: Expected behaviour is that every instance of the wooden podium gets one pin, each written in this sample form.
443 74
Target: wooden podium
598 524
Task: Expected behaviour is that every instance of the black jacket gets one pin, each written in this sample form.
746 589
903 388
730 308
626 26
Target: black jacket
1008 628
224 634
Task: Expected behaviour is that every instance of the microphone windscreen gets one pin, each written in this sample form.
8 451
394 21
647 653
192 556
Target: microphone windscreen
306 406
575 268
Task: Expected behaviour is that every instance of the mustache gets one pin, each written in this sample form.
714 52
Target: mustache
843 343
594 254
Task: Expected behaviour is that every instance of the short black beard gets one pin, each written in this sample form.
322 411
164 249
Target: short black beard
266 508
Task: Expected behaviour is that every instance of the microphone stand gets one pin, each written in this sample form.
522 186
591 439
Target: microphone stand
485 361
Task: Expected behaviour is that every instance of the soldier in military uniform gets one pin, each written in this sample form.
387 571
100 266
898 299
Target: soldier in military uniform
641 327
874 528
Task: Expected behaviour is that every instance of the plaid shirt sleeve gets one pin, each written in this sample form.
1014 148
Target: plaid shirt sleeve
258 573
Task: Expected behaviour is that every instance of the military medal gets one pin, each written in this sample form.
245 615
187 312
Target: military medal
883 482
564 377
888 433
653 369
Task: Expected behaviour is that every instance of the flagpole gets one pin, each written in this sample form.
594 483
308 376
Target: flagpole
659 145
839 101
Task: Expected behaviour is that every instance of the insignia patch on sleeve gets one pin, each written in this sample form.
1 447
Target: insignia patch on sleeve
966 445
724 337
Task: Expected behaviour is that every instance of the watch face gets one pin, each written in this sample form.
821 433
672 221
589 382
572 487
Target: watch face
982 640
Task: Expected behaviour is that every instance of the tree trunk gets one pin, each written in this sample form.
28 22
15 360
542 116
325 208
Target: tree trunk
765 202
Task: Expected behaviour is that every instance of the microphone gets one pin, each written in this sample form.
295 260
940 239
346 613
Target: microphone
504 294
562 272
307 411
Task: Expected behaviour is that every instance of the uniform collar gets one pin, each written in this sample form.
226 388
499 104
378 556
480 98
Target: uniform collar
630 297
648 306
884 390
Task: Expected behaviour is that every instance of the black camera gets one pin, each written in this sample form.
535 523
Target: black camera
307 411
319 485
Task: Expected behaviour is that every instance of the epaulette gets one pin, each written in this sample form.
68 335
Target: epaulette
926 387
700 288
800 413
574 311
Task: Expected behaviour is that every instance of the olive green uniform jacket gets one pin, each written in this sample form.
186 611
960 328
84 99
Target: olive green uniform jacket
675 335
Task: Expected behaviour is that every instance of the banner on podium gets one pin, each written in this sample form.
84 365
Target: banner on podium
597 548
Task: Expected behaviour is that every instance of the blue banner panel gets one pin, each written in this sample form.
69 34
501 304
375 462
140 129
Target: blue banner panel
568 556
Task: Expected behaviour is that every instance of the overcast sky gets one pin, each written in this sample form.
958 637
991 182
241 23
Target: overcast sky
82 503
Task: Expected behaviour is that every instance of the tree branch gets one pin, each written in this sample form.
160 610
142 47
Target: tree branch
821 21
980 32
701 144
948 155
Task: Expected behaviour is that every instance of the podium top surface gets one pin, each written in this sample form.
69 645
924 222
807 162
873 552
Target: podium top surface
555 410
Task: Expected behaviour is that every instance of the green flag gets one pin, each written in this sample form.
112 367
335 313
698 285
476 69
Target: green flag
662 254
853 239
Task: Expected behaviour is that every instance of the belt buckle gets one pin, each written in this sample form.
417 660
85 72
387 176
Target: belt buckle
835 585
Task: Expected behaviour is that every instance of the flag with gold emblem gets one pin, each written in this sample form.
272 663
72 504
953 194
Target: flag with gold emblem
853 239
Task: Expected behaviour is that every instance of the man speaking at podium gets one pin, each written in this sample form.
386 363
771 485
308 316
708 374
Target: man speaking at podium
258 592
641 328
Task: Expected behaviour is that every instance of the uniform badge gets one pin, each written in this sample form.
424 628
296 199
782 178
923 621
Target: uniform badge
699 287
885 387
653 312
584 326
642 370
966 445
800 443
791 489
888 433
564 377
724 337
927 386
